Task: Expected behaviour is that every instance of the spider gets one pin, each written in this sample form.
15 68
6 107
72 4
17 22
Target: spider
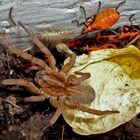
54 84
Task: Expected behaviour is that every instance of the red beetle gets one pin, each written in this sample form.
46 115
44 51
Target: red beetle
116 39
101 20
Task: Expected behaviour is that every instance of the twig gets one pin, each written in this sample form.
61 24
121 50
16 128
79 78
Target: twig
62 136
137 37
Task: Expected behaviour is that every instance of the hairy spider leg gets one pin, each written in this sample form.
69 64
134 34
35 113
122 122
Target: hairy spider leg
70 64
41 46
86 109
26 56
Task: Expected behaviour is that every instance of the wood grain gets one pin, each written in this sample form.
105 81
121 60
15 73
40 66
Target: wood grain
43 14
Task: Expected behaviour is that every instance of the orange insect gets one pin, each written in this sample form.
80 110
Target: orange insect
124 34
101 20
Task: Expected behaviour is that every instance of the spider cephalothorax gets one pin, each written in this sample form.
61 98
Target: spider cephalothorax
56 85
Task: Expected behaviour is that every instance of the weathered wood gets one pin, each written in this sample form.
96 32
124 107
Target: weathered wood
41 14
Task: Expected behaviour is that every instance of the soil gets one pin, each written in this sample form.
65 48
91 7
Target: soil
26 121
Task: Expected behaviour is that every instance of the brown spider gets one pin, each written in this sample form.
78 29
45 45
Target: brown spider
54 84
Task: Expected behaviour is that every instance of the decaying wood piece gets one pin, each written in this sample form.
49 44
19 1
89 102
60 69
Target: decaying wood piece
56 14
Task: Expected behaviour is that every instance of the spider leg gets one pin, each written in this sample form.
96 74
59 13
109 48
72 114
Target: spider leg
83 75
52 120
74 80
31 68
25 83
26 56
35 98
63 48
70 64
86 109
41 46
55 116
54 102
